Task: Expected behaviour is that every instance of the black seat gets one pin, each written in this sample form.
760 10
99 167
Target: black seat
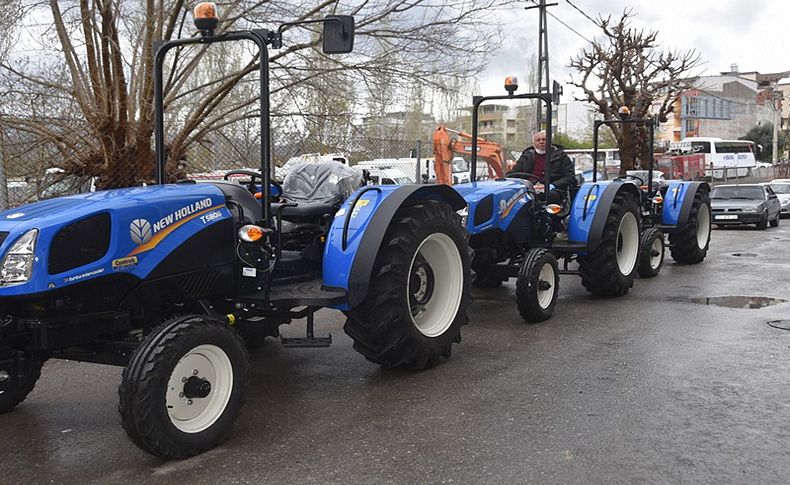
239 194
305 212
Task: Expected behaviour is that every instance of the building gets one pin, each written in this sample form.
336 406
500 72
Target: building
575 119
513 126
726 105
784 88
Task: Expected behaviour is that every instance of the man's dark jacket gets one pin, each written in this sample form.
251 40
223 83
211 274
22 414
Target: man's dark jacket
563 174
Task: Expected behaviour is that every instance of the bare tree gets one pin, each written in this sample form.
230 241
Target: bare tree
629 69
95 96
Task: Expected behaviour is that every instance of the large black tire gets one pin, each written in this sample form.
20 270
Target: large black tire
651 253
537 286
610 269
763 224
159 387
419 290
690 245
775 222
20 386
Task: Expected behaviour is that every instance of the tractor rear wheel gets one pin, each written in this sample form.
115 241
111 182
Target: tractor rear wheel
184 387
690 245
610 269
18 385
419 290
537 286
651 253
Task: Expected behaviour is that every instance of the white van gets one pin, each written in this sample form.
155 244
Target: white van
723 158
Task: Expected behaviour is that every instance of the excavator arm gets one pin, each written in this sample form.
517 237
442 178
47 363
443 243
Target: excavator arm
445 146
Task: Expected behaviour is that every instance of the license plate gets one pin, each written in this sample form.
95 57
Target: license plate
726 216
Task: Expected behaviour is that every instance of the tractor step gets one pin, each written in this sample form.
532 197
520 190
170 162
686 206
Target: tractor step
304 342
309 340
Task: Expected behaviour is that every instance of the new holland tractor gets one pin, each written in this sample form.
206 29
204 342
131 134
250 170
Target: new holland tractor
679 209
513 228
170 280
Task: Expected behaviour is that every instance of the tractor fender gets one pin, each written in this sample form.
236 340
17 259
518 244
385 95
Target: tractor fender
358 230
591 207
678 201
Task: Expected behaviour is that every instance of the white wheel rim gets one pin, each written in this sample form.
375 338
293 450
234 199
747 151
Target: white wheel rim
703 226
546 275
658 248
627 243
195 414
436 315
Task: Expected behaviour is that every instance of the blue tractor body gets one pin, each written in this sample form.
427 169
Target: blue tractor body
175 281
138 229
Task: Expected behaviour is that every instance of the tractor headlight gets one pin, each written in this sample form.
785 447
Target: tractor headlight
18 261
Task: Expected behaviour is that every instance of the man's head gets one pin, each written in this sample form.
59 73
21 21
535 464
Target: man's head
539 141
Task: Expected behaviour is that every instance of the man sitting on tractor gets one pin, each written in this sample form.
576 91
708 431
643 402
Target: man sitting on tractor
533 162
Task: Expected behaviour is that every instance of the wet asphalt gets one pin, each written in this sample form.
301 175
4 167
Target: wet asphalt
654 387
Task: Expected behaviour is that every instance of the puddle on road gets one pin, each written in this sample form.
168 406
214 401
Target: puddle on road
744 255
750 302
780 324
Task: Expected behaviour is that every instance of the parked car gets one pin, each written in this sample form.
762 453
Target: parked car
388 176
781 188
745 204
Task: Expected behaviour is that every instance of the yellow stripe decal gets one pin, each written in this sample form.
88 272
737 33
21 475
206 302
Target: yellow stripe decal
511 205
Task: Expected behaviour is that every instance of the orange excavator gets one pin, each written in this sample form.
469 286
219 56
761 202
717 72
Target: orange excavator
444 147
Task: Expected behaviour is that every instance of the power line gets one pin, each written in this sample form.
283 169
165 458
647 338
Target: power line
582 12
569 27
562 22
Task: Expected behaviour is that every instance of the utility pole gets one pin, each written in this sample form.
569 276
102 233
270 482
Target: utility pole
543 53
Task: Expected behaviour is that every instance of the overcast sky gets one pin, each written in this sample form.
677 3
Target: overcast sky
753 34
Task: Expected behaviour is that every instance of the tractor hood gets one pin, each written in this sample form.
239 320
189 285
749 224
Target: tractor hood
86 235
63 209
494 203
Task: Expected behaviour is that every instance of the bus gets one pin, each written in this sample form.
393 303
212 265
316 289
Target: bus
723 158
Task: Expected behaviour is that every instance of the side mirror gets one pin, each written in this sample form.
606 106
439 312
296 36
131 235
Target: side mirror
338 34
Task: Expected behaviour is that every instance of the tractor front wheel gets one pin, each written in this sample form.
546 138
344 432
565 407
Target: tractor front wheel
419 290
651 253
17 383
610 269
184 387
537 286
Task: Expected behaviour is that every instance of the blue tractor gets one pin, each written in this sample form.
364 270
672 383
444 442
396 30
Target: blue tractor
170 280
679 209
513 228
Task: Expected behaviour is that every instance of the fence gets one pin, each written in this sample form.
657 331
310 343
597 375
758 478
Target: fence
32 170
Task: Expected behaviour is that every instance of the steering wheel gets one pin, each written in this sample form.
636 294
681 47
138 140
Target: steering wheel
253 176
633 177
524 175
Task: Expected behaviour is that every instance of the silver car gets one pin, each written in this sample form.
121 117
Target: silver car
781 188
745 204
